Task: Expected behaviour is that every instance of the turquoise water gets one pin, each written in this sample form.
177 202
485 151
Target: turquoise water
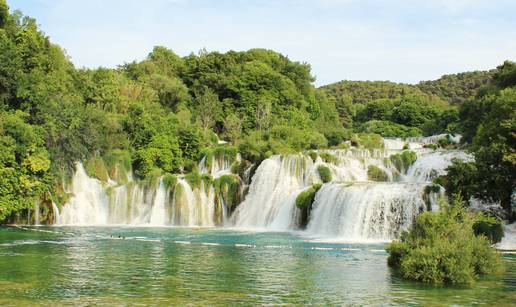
178 266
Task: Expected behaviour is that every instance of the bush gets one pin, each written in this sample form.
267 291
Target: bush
118 164
207 180
376 174
169 180
313 155
324 173
389 129
306 198
227 187
328 158
219 152
488 226
431 146
367 140
337 136
96 168
446 141
442 247
162 152
402 161
194 179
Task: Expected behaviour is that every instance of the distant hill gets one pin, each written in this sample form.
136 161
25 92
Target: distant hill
454 88
366 91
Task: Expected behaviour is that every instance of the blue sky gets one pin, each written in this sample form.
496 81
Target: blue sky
397 40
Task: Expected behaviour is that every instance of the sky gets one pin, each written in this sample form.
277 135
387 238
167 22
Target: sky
397 40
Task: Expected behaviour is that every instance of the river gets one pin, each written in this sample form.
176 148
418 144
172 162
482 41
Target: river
127 265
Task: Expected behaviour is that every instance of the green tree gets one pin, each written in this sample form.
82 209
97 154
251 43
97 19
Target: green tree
208 109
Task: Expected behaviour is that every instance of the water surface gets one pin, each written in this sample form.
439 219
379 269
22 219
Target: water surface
207 266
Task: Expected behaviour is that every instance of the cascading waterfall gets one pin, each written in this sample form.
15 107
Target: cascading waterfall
57 216
89 203
365 211
274 186
432 164
134 203
351 207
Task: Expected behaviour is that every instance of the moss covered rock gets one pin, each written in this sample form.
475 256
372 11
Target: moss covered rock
305 199
328 158
194 179
402 161
324 173
227 188
375 173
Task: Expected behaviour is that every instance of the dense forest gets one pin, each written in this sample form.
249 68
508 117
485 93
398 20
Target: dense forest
161 114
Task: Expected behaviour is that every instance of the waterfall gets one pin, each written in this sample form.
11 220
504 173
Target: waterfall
218 165
55 209
432 164
137 203
352 206
158 207
365 210
89 203
271 189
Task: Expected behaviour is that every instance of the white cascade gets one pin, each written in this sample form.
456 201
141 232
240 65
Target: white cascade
275 181
377 211
432 164
158 214
134 203
89 202
57 216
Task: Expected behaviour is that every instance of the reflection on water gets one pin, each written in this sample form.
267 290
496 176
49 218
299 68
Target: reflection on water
120 266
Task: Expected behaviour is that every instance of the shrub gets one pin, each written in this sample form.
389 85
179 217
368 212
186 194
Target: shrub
162 152
376 174
367 140
96 168
227 187
219 152
169 180
488 226
313 155
324 173
207 180
118 164
389 129
445 141
305 199
431 146
337 136
433 188
194 180
328 158
239 167
442 247
402 161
